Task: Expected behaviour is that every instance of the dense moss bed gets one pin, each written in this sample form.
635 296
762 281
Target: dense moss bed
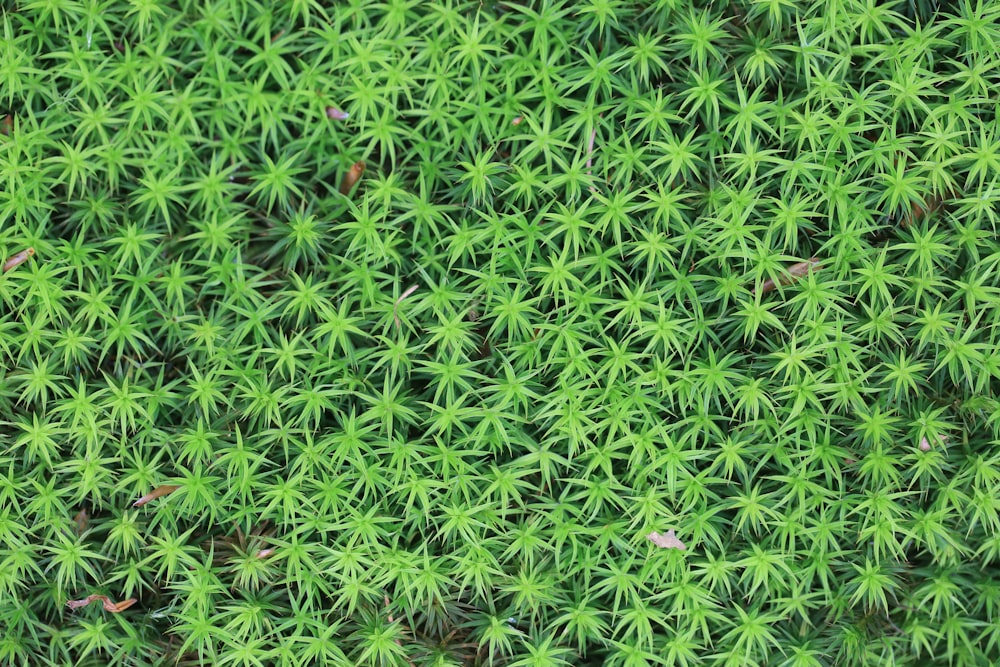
502 334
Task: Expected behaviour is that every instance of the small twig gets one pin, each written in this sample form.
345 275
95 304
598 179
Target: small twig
590 150
410 290
590 153
897 628
387 611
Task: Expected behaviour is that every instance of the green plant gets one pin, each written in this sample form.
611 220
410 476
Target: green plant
611 268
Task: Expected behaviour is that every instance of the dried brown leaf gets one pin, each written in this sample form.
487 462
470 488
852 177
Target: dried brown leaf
158 492
106 602
918 212
18 259
794 271
352 176
76 604
116 607
81 520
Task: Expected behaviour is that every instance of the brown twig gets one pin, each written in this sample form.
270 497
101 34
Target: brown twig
410 290
590 153
391 620
590 150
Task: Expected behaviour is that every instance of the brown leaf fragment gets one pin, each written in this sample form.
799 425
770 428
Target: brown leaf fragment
352 176
590 150
6 125
925 444
18 259
81 520
107 603
802 268
76 604
158 492
333 113
794 271
116 607
667 541
920 211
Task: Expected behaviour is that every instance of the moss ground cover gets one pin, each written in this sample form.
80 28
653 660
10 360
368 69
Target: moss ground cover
509 334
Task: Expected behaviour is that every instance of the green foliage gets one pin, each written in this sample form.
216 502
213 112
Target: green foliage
433 420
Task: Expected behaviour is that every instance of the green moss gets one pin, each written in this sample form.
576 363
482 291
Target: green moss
610 268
